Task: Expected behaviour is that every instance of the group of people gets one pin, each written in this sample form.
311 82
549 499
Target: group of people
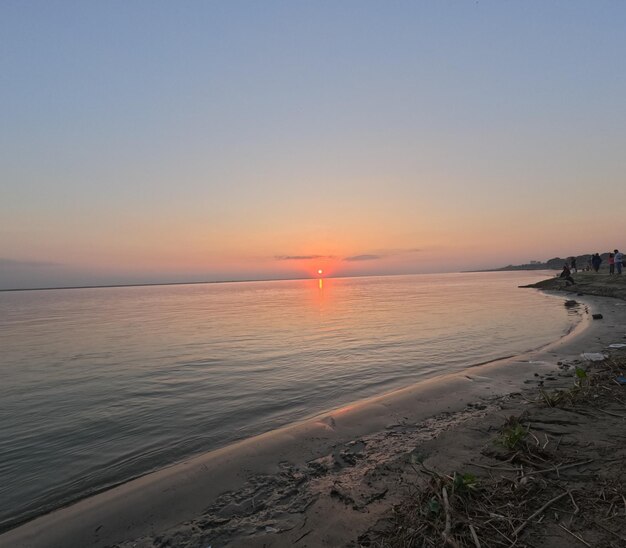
615 260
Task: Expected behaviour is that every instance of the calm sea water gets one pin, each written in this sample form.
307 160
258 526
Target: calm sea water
102 385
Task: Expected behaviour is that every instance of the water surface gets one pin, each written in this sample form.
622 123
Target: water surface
102 385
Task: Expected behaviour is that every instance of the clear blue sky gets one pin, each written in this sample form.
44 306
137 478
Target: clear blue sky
149 141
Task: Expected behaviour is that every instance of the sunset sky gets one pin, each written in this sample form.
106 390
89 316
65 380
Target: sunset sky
168 141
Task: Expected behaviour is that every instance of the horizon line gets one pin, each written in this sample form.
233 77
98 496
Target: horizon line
199 282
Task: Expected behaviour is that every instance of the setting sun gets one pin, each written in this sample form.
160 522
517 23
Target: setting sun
320 271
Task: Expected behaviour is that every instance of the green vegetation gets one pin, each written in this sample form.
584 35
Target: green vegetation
511 436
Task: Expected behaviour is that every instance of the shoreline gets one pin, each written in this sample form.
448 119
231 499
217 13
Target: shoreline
139 508
317 416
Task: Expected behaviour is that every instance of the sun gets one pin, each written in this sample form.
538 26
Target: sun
320 272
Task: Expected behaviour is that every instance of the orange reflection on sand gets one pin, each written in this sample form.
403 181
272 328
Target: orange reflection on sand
346 409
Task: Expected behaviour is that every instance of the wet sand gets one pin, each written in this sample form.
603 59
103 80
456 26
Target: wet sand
321 482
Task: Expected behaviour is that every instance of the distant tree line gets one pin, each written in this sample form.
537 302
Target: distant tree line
557 263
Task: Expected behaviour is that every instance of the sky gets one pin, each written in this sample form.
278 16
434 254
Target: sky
152 141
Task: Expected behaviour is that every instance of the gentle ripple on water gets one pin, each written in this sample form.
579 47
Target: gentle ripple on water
102 385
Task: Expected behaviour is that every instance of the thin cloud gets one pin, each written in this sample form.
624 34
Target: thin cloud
352 258
301 257
363 258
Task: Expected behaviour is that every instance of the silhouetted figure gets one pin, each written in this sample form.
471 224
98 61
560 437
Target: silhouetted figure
567 275
572 265
619 261
596 261
611 263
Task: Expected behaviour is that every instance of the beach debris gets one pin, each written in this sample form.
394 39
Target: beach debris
621 379
617 345
597 316
593 356
532 485
570 303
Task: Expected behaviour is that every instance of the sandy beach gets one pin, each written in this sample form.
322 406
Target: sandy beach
342 478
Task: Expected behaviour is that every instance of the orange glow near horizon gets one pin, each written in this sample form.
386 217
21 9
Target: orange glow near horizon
324 267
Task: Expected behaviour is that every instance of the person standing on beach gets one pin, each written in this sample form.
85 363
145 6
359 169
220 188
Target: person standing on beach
611 263
619 257
572 265
596 261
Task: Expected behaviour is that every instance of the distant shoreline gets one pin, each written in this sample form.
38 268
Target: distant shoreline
528 268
